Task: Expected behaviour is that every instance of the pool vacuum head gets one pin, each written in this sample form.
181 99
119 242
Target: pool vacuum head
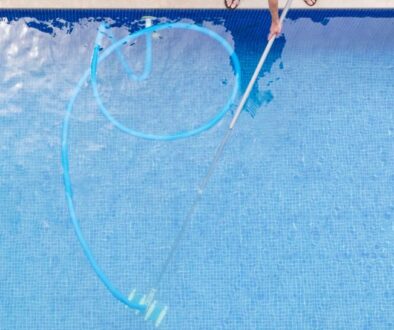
154 311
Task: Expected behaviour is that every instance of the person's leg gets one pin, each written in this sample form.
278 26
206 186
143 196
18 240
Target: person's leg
231 4
310 3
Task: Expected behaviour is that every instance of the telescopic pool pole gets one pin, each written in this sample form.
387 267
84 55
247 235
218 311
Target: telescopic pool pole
220 149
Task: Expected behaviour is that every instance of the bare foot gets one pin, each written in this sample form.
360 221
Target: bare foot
231 4
310 3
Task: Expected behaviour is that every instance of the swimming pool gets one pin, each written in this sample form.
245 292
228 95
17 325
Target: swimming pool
295 229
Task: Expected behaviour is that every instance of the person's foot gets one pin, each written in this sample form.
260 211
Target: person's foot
231 4
310 3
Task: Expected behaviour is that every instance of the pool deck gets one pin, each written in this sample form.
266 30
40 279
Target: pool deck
209 4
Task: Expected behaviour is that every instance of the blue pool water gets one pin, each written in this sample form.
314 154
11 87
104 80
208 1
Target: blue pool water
294 231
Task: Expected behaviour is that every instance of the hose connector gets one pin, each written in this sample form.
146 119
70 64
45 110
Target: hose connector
148 20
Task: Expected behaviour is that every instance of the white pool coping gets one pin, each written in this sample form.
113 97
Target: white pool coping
187 4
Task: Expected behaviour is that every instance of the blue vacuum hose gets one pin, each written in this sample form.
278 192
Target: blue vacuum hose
144 304
96 59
